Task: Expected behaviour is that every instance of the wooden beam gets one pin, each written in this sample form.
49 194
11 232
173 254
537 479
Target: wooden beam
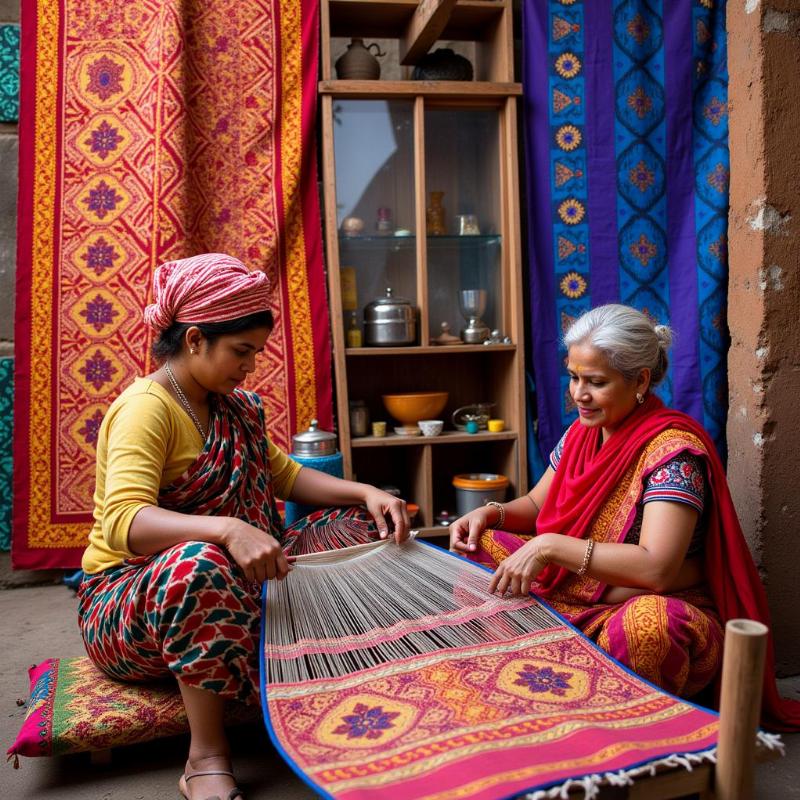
423 30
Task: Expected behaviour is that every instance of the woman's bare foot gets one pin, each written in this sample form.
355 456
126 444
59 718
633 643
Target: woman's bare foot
207 787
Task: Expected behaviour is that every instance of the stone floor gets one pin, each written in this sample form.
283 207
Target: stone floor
39 621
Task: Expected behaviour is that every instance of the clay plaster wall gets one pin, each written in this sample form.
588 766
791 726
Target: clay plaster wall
764 300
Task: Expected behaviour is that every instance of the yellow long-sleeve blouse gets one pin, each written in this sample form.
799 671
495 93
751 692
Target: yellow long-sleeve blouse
145 442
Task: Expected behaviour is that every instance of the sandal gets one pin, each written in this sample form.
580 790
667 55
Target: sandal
232 795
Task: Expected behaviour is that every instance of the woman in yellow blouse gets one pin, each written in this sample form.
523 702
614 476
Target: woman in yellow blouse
186 526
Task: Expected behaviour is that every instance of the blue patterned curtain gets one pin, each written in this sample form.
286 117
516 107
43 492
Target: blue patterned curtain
626 140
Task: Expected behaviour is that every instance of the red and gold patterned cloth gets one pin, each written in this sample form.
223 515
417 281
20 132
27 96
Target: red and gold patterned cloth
150 132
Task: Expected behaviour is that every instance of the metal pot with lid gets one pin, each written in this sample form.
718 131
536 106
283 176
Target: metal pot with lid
390 320
313 442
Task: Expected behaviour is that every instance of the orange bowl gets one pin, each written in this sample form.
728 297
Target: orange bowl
411 408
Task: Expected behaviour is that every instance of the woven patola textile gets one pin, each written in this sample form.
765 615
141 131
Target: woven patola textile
151 131
520 713
626 131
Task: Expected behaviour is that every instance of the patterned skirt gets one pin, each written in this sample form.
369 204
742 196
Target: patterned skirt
672 640
189 612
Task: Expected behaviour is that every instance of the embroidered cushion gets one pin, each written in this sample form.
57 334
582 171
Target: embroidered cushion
74 707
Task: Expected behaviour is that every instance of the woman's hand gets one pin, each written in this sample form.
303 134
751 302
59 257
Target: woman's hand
520 569
466 530
258 554
384 506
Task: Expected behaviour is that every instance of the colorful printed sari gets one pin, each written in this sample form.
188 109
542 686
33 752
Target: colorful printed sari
674 640
189 611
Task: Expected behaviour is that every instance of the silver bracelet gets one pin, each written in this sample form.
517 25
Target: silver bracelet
500 510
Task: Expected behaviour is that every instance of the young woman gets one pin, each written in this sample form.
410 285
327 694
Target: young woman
631 533
186 526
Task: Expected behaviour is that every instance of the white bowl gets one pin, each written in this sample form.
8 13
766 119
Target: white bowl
431 427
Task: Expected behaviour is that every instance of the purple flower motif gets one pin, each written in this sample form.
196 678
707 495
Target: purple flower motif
715 110
100 256
102 199
544 679
719 178
99 313
105 77
97 370
103 139
367 722
91 428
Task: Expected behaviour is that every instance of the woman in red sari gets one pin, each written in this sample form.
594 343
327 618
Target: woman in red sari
631 533
186 526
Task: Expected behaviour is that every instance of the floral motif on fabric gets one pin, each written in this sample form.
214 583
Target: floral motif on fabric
638 29
366 722
719 178
573 285
640 102
544 679
644 250
98 370
99 313
563 28
102 199
568 137
642 177
715 110
104 139
105 77
719 249
91 427
571 211
568 65
100 256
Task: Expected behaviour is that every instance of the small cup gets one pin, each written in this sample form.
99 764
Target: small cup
472 426
431 427
379 429
496 425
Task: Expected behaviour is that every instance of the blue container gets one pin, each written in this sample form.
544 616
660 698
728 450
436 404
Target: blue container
331 464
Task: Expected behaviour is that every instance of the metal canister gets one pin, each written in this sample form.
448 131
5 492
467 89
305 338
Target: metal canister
389 321
313 442
316 449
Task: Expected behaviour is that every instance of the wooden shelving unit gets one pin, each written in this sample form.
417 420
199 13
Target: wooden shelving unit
391 143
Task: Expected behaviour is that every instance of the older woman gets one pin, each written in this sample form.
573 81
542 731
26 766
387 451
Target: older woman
186 526
636 538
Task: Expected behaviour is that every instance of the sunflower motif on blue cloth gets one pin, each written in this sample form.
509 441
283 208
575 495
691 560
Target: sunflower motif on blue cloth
568 137
573 285
638 28
642 177
568 65
644 250
571 211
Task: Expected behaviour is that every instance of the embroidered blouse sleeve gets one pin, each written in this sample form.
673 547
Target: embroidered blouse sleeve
139 432
284 471
682 479
555 456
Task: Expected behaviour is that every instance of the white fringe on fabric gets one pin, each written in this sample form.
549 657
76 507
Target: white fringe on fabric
625 777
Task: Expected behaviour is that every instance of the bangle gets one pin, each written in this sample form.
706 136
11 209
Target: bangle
586 557
500 510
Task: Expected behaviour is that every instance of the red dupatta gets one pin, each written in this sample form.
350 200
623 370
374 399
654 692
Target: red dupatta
588 474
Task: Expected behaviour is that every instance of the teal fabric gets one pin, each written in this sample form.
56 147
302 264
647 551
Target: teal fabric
6 430
9 73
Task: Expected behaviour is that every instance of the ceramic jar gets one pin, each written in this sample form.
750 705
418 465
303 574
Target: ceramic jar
358 63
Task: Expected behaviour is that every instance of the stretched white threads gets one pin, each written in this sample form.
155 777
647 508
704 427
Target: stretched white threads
374 604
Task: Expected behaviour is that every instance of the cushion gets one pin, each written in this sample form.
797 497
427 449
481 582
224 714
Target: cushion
74 707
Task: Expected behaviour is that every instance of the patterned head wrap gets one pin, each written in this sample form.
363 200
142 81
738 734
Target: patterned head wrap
211 287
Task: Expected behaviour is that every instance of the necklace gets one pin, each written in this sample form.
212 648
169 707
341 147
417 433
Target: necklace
183 399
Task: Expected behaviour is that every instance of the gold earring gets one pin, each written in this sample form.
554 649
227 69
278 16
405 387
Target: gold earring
639 398
193 351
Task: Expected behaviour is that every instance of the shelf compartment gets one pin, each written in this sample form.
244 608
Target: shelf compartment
486 455
433 349
384 18
446 437
453 90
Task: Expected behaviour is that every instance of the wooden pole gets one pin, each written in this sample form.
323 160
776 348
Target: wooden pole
740 708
